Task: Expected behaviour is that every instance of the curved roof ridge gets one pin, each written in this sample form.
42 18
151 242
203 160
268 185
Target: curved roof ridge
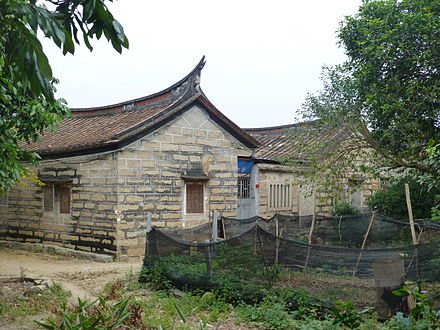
279 128
193 78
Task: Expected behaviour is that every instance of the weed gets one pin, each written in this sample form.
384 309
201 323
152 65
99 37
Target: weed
114 290
89 316
345 314
23 271
424 310
16 306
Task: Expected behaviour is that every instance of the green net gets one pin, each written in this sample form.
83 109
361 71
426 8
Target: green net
250 248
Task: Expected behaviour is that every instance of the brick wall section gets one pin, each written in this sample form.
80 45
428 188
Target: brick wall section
150 177
91 224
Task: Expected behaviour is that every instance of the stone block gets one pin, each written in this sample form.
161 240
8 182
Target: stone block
89 206
170 215
208 142
105 207
216 135
201 133
194 158
133 163
144 155
169 174
182 140
134 199
148 207
168 207
180 157
128 207
127 172
164 138
170 147
135 181
97 197
159 182
135 234
136 252
215 191
192 148
149 172
128 242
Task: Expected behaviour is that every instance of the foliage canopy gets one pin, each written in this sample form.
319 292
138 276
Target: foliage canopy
387 94
391 201
27 102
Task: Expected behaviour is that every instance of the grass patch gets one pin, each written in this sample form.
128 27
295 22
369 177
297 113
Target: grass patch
15 305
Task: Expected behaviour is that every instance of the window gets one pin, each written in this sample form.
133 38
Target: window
194 196
244 184
56 197
280 196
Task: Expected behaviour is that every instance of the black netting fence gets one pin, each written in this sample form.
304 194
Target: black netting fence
249 249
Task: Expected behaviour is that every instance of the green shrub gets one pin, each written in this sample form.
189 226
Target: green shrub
90 316
424 314
268 315
345 314
391 201
344 208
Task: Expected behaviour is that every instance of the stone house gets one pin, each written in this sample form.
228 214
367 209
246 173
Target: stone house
172 154
277 188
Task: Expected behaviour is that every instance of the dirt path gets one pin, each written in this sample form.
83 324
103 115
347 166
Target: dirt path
84 278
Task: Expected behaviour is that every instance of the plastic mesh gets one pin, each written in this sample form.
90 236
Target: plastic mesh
190 258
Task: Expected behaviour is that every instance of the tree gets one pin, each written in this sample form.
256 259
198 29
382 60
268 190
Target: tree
387 94
391 201
27 102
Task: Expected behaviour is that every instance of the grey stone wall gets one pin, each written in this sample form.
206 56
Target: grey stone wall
89 227
112 193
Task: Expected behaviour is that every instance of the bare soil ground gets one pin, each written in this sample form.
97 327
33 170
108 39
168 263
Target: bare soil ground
83 278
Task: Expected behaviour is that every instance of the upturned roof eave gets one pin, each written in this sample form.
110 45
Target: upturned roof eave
196 69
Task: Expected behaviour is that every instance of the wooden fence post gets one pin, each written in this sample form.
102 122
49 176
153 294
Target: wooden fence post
277 242
410 214
215 215
312 228
149 222
363 242
413 230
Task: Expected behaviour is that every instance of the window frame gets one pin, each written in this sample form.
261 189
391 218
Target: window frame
57 198
200 206
244 186
280 196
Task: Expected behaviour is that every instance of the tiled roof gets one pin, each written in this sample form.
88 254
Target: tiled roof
91 130
293 141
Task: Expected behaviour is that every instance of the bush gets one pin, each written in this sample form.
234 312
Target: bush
391 201
90 316
345 208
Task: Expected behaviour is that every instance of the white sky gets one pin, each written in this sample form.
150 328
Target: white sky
262 57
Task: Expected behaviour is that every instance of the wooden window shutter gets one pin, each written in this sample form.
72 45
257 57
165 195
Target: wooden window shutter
194 197
48 197
64 198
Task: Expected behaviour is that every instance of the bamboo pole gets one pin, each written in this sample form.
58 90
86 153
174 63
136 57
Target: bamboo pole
277 242
364 242
410 214
312 228
224 229
413 230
